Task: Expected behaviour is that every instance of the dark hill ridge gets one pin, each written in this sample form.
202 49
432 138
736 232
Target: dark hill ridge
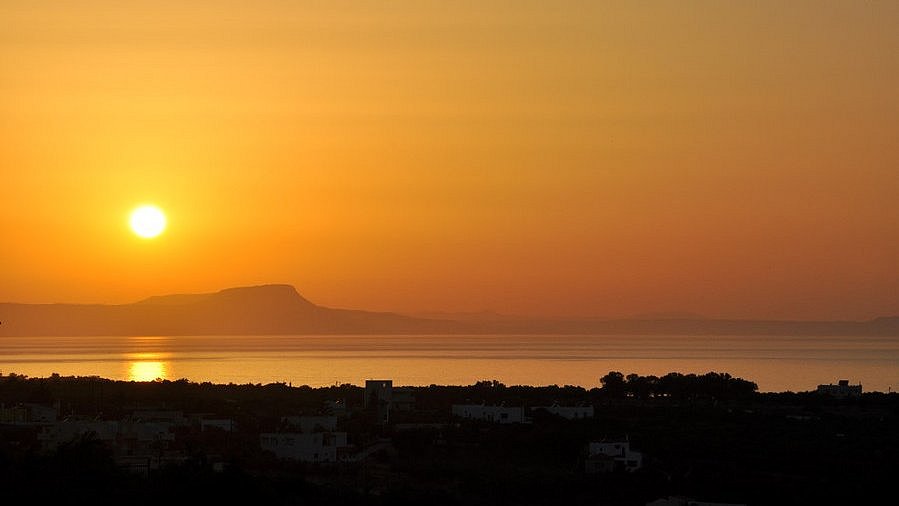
266 309
268 295
279 309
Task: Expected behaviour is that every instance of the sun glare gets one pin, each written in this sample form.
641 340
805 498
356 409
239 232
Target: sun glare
146 371
147 221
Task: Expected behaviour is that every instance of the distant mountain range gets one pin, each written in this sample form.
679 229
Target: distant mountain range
279 309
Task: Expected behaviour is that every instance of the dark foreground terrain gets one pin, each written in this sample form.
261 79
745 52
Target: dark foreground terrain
709 438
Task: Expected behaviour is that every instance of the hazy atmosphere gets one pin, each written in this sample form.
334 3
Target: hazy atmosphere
734 160
382 253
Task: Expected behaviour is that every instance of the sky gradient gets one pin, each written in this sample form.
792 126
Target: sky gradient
731 159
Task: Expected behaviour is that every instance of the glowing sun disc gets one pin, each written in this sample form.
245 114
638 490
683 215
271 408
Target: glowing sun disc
147 221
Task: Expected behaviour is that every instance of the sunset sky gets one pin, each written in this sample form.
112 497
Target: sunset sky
732 159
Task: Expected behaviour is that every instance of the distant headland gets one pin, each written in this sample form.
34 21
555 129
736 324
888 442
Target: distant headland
280 309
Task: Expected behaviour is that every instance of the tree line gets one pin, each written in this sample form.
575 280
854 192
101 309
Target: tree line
676 385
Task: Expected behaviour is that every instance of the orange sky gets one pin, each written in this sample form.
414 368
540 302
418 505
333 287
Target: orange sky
734 159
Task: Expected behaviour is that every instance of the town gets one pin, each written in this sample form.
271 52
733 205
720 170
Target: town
671 440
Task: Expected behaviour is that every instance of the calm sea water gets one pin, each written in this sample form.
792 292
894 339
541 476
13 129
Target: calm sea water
775 363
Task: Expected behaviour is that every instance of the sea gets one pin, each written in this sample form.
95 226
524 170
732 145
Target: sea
775 363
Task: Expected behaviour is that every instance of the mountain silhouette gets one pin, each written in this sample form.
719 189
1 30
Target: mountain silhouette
280 309
266 309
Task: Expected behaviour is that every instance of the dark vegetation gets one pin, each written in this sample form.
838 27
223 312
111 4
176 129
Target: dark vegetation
711 437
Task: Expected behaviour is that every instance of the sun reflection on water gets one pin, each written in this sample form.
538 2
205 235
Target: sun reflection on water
147 367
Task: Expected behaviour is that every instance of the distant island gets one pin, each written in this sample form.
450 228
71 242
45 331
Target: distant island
280 309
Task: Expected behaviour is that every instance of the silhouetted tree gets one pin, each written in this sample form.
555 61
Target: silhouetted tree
642 387
613 384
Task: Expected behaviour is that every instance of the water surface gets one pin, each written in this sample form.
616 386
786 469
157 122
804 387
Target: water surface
776 363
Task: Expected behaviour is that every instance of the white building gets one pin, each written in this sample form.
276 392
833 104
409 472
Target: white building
28 414
606 457
496 414
569 412
336 407
13 415
312 423
176 418
69 430
225 424
38 413
841 390
304 447
686 501
378 399
144 440
146 431
403 399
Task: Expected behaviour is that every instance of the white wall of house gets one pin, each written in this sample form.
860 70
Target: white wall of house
495 414
312 423
225 424
620 451
569 412
304 447
70 430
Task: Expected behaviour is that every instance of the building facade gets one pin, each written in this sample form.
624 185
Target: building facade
841 390
495 414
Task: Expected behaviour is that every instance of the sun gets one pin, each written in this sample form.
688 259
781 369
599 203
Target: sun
147 221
